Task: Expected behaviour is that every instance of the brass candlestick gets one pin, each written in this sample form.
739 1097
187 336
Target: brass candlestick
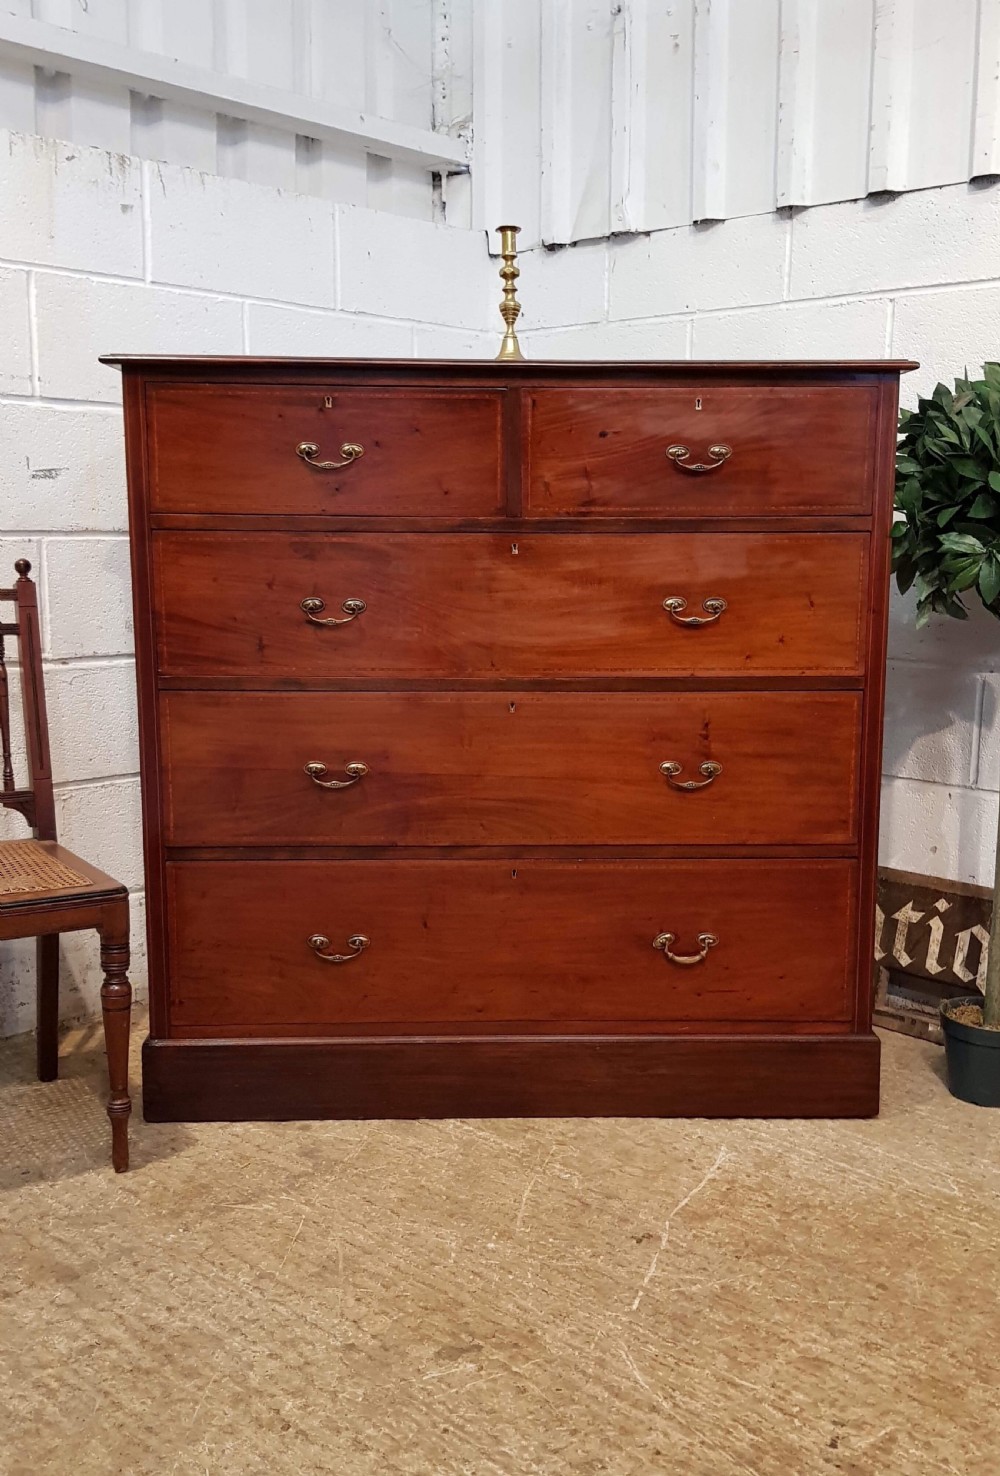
510 307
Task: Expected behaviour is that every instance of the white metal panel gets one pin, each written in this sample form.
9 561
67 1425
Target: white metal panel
276 91
721 108
253 39
507 124
824 100
751 106
709 194
399 56
942 91
17 82
652 108
49 45
336 69
892 77
451 99
163 129
577 50
985 151
652 88
923 93
17 94
82 109
797 67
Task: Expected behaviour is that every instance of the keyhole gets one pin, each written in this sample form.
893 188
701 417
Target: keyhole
514 548
328 402
697 403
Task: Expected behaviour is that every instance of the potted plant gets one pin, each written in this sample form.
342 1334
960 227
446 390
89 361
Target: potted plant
946 547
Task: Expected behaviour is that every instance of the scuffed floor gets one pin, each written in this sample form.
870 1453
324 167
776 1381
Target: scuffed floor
504 1298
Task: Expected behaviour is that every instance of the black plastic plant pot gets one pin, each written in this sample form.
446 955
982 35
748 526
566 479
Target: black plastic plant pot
973 1056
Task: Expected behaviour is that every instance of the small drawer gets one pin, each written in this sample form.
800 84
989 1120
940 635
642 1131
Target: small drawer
512 768
484 607
483 942
280 450
716 451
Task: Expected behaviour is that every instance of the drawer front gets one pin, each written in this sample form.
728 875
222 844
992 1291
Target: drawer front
648 452
482 941
233 450
517 768
490 607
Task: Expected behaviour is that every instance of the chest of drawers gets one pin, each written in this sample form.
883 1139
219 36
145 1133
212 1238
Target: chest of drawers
510 734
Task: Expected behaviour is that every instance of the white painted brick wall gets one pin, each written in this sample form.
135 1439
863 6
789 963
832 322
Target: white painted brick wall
15 361
61 467
796 330
400 268
295 330
730 263
149 319
102 254
225 235
70 207
918 239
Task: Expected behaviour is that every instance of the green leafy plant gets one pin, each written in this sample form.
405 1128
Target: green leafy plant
947 543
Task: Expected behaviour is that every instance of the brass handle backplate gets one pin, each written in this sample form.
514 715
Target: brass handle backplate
316 771
308 450
674 604
357 943
679 456
710 769
662 941
312 606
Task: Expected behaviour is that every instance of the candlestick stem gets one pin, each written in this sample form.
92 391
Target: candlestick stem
510 308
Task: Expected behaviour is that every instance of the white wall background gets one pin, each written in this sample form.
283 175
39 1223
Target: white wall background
104 250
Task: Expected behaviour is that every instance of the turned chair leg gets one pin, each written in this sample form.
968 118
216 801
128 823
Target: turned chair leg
116 1006
47 995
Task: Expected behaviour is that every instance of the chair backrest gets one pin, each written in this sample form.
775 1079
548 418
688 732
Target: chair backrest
35 802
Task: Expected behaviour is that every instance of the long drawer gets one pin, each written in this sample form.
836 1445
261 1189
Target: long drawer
481 942
512 768
701 451
283 608
277 449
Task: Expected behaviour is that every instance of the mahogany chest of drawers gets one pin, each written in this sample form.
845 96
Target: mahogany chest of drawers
510 734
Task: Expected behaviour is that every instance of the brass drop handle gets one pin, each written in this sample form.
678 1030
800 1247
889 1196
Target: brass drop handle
662 941
356 771
713 608
710 769
357 943
308 450
313 605
679 456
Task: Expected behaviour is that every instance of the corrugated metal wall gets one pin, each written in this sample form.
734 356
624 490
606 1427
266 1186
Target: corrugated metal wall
590 116
597 116
372 57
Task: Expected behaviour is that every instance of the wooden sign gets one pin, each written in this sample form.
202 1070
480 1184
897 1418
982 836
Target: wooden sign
931 944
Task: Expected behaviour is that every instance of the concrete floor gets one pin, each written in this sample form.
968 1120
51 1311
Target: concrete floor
499 1298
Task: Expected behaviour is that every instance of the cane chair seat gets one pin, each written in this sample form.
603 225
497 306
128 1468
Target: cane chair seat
35 866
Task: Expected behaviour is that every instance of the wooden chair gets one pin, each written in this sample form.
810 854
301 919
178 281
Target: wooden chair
45 890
